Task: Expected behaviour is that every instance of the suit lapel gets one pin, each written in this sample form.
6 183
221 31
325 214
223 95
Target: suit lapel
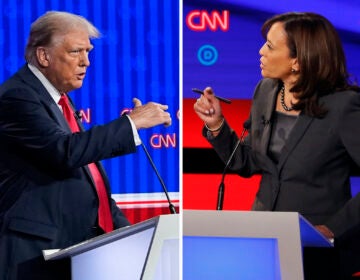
30 79
58 116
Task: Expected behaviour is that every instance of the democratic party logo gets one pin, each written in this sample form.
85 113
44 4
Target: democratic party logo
200 21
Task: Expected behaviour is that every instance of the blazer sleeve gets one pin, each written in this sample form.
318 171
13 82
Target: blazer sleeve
244 161
347 220
246 158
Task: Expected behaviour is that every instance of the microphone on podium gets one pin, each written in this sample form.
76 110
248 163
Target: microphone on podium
221 190
171 206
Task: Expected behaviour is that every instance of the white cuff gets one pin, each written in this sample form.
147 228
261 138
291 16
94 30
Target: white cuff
137 139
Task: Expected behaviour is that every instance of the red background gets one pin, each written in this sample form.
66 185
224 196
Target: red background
200 190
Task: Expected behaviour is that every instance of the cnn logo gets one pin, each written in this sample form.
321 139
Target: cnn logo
198 20
159 141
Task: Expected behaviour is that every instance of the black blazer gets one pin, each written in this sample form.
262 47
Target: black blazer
47 196
312 176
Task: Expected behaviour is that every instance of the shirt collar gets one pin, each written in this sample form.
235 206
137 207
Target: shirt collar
54 93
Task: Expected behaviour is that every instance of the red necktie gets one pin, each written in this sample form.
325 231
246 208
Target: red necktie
104 214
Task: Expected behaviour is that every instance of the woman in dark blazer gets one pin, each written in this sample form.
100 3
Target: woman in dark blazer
304 132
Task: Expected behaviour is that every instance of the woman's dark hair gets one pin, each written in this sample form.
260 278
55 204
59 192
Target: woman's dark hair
314 41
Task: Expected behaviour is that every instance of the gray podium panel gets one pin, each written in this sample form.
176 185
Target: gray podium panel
238 234
147 250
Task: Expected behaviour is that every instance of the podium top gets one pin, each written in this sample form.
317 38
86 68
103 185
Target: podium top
257 224
102 240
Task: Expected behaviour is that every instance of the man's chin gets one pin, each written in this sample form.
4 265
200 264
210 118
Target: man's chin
77 85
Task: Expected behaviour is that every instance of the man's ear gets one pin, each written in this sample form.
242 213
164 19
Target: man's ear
42 56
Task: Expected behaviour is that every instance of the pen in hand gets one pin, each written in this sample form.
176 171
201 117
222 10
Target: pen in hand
218 97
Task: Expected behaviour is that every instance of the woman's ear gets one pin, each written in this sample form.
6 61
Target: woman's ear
295 68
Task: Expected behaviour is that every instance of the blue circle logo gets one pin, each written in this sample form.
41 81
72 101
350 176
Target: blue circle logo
207 55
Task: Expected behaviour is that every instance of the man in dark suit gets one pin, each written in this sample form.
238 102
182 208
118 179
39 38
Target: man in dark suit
51 183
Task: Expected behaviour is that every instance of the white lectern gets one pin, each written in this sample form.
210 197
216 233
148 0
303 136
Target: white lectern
246 244
147 250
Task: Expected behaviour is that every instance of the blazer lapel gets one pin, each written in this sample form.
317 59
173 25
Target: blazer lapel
266 114
296 134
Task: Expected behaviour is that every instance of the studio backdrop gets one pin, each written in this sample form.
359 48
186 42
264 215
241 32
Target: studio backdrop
136 56
221 43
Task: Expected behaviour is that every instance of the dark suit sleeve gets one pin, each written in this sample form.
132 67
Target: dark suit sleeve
27 124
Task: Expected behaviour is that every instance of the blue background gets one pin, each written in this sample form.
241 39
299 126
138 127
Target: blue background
237 69
137 56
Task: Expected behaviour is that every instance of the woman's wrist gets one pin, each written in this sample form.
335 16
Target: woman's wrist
217 127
